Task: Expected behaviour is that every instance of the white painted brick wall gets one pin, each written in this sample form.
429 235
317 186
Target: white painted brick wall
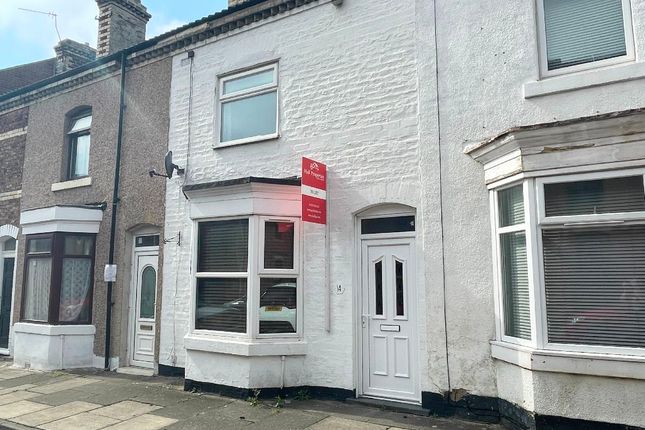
348 97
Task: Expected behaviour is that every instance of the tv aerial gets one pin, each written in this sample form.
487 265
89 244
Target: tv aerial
50 14
169 166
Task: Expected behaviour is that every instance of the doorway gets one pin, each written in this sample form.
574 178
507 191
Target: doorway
388 317
8 263
143 301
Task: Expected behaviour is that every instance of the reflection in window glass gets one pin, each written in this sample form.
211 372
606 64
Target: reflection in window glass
511 206
221 304
250 116
278 245
583 31
515 285
148 293
80 156
248 82
9 245
277 305
400 292
223 246
378 287
79 245
40 245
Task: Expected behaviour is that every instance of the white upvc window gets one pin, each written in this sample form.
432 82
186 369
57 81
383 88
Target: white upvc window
578 35
585 235
247 277
248 106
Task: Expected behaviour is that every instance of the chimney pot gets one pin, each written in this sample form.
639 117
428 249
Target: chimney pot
71 54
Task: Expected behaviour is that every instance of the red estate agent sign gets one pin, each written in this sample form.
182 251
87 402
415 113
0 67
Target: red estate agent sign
314 191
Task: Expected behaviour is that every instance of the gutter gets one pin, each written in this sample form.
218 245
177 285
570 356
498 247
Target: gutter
115 206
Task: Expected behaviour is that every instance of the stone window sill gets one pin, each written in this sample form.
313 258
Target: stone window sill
581 363
587 79
54 330
74 183
247 348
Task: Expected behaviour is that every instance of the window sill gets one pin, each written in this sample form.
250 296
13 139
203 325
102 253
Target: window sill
580 363
586 79
255 139
54 330
74 183
243 347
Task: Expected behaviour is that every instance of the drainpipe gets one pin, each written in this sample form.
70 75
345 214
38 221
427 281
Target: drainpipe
115 205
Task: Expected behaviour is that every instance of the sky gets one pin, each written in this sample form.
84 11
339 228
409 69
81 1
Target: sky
27 37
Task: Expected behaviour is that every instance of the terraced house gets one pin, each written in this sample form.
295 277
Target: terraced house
481 252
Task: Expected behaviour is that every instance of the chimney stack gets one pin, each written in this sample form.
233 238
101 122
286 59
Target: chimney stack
232 3
122 24
71 54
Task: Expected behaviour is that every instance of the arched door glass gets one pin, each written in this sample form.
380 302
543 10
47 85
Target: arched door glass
148 287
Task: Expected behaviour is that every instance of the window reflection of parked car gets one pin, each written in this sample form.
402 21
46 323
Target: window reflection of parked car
278 309
277 313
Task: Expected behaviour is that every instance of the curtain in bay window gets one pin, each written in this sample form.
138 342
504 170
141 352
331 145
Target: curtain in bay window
75 288
37 289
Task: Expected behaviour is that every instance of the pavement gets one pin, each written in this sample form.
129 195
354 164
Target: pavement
94 399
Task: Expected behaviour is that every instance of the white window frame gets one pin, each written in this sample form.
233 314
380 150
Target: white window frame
543 57
251 92
536 221
255 271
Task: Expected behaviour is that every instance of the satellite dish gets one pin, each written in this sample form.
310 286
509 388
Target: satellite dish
170 167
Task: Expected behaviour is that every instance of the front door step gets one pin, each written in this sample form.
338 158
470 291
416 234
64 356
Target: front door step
388 405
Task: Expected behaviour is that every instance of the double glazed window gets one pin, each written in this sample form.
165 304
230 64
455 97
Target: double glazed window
58 282
78 157
578 34
248 105
247 276
588 248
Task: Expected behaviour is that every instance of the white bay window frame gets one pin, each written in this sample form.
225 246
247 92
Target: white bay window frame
542 45
535 222
245 94
255 271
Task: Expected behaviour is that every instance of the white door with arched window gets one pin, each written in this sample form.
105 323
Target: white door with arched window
7 276
143 308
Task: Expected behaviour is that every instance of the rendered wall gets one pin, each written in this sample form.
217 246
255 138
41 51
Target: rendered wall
349 97
485 56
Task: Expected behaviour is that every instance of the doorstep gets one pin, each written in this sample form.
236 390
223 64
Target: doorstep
134 370
389 405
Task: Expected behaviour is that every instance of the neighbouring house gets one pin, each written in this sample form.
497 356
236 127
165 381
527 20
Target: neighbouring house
484 235
92 134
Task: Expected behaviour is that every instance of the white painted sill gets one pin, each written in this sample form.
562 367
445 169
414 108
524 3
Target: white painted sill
579 363
54 330
75 183
255 139
585 79
243 347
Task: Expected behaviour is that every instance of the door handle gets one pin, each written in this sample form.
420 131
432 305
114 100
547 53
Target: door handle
364 319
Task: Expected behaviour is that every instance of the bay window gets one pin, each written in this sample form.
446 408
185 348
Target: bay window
572 271
59 270
247 276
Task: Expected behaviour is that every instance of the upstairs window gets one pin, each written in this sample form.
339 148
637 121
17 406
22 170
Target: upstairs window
248 106
59 274
78 158
581 34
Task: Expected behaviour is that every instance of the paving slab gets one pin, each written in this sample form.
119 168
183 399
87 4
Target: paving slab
23 387
16 396
144 422
243 410
63 385
13 373
54 413
162 396
116 394
35 378
209 421
61 397
125 410
84 421
191 407
284 419
336 423
22 407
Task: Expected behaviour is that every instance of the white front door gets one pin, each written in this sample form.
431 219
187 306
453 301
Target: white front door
389 344
143 336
